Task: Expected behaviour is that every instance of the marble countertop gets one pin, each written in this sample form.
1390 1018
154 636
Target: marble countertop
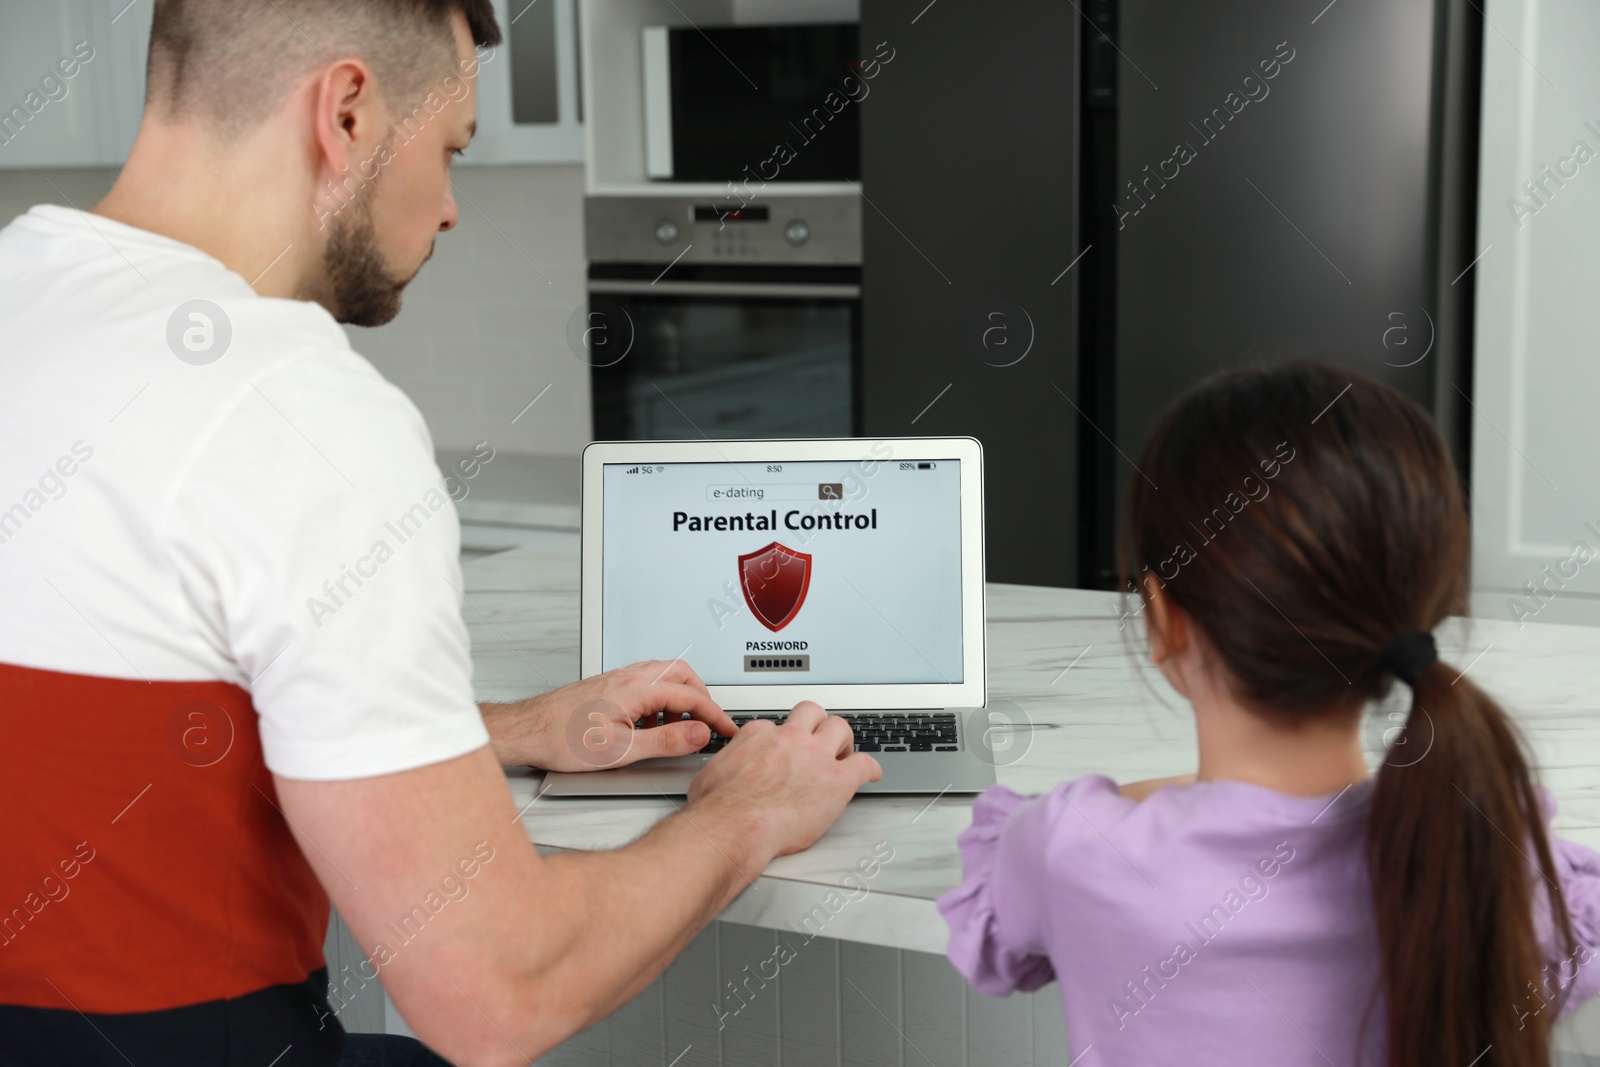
1097 706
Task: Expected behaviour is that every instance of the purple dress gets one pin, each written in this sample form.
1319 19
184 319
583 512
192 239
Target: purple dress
1212 923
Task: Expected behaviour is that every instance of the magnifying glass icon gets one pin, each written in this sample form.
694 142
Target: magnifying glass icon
830 491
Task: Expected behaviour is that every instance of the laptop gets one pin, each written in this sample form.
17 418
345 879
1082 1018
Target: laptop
848 572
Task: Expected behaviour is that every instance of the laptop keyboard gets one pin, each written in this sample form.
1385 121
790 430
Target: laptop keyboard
886 731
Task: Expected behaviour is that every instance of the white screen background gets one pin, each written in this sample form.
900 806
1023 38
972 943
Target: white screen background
884 605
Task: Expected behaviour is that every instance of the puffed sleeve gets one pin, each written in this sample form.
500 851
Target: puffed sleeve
990 914
1576 971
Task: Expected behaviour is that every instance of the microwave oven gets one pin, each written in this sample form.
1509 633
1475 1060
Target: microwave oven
746 103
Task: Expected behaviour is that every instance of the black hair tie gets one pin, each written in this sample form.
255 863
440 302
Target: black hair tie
1408 653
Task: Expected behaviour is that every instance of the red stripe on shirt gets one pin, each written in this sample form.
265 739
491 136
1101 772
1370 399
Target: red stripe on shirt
146 864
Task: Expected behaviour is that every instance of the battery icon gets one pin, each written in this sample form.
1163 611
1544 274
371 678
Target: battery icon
924 466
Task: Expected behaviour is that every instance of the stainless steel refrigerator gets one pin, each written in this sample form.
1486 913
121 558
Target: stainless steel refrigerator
1146 193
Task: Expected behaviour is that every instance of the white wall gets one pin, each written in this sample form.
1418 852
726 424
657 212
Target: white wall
483 327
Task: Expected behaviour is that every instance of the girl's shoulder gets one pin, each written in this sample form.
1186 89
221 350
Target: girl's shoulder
1080 807
1085 832
998 804
1093 804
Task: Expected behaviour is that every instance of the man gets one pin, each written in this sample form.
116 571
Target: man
234 677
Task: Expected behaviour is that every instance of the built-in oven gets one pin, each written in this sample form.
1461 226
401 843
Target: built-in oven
723 319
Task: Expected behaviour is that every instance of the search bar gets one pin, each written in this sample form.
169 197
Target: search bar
786 491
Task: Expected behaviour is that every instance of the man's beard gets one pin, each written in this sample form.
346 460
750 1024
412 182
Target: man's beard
357 282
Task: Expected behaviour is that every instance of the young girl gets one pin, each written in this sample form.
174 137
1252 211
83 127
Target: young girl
1281 906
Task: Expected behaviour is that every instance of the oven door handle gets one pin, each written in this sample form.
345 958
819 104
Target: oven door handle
791 290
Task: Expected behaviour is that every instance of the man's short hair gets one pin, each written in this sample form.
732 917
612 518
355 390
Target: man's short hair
233 61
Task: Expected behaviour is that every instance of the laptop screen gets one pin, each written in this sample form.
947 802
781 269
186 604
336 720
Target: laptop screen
827 572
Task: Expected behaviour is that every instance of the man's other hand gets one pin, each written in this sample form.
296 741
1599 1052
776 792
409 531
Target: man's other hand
792 780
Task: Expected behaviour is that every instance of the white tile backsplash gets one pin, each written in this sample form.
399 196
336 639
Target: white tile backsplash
484 327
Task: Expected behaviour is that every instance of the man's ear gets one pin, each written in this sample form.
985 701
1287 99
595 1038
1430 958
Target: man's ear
1166 626
348 115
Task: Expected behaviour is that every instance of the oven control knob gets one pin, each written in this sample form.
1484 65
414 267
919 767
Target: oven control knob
796 232
666 232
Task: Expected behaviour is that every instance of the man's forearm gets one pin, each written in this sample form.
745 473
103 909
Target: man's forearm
510 734
627 913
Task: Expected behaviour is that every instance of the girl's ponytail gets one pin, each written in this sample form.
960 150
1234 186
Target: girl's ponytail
1458 852
1310 523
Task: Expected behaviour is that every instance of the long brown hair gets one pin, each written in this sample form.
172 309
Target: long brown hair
1302 517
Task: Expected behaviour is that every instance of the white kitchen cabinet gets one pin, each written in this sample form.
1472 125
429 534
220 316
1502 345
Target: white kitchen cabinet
1535 484
50 118
529 109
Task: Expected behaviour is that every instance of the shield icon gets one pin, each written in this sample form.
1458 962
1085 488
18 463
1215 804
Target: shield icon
775 580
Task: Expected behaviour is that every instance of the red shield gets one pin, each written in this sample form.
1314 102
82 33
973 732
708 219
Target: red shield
775 580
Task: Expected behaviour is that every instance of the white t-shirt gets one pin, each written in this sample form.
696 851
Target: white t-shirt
222 491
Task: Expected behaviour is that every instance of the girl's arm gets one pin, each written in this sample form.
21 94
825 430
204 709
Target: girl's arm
996 916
